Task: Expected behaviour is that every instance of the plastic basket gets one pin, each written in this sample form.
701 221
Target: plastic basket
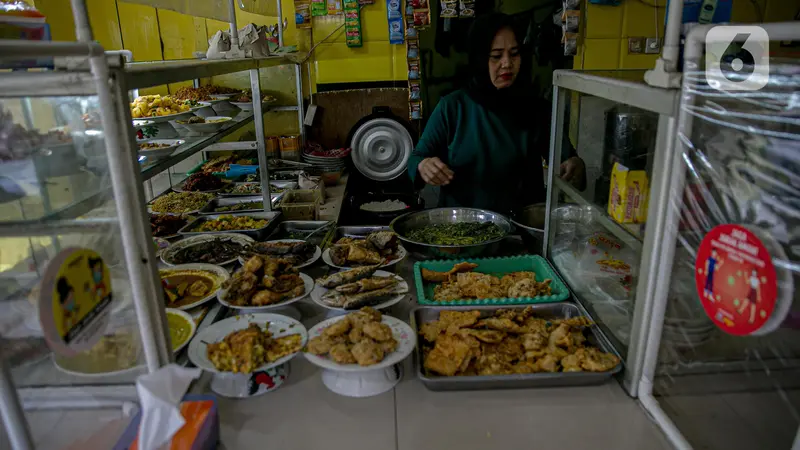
493 266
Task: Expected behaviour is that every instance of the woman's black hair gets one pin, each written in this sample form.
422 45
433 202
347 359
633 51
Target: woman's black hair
480 88
64 289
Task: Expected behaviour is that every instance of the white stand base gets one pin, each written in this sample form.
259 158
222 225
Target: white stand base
660 77
363 384
246 385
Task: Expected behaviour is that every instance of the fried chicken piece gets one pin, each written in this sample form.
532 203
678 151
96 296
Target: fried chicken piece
488 336
560 337
571 363
367 352
338 328
500 324
254 264
378 331
365 315
322 345
282 283
389 346
356 334
548 363
453 320
266 298
340 354
594 360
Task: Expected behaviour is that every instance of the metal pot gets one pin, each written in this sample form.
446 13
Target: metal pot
407 222
530 222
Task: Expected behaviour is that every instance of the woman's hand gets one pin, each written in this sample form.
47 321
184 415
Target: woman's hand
435 172
573 170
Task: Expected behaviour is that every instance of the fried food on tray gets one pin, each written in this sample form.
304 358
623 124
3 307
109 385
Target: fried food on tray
441 277
377 248
156 105
364 292
461 283
245 350
508 342
263 281
358 338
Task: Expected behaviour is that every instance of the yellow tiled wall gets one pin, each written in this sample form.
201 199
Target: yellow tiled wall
605 30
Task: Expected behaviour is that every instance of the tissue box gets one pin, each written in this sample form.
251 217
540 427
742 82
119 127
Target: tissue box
201 431
627 198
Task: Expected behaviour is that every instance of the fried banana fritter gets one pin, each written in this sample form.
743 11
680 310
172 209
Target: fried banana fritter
358 338
378 331
367 352
509 341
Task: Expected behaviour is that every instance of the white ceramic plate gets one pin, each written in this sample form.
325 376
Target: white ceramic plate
170 117
319 291
308 286
279 326
223 96
193 326
215 270
308 262
401 254
208 127
168 254
160 152
402 333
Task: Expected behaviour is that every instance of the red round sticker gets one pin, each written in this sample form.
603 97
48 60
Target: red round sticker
735 279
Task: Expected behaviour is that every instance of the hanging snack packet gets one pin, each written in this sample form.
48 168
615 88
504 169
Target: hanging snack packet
467 9
366 2
415 110
319 8
414 91
571 20
422 18
411 32
570 4
352 24
413 50
409 13
396 31
334 7
302 14
413 70
449 9
393 10
418 4
570 41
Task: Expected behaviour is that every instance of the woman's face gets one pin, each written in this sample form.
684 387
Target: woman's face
504 59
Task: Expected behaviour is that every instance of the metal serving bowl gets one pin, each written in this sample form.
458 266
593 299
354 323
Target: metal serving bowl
414 220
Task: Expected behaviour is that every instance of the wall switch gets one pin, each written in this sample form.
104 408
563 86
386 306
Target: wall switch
652 45
636 45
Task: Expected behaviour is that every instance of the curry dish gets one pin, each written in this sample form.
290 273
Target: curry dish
244 351
509 342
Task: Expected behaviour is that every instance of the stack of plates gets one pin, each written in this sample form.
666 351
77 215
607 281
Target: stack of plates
336 162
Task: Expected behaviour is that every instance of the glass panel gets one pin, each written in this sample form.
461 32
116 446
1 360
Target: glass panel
52 158
597 229
742 157
210 9
113 360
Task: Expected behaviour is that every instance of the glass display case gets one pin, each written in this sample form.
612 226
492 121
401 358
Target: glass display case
596 232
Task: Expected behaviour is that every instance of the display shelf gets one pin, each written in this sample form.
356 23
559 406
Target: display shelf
623 233
638 94
193 145
155 73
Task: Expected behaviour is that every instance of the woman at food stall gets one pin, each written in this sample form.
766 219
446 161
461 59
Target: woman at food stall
484 144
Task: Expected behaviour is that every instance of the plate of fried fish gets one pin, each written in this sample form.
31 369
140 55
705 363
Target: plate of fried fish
247 343
359 341
264 283
535 341
378 248
297 251
364 286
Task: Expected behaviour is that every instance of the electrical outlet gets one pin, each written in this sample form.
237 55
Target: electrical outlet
636 45
652 45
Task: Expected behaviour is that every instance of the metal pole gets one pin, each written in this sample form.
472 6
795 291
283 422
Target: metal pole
298 76
234 28
280 24
261 142
11 412
556 142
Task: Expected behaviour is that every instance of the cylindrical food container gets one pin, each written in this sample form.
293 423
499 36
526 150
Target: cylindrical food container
290 148
273 147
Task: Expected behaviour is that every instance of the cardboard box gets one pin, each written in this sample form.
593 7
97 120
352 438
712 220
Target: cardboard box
628 195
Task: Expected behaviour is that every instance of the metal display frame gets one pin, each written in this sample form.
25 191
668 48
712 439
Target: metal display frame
663 102
106 76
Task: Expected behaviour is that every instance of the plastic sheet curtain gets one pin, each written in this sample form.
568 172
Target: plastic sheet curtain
263 7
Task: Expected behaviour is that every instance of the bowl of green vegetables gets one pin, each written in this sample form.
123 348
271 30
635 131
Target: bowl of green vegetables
451 232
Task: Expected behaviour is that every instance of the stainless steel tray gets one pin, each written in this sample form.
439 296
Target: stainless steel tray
288 185
258 234
294 229
543 379
227 201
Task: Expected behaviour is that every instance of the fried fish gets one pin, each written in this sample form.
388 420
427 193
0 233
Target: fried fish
367 284
347 276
